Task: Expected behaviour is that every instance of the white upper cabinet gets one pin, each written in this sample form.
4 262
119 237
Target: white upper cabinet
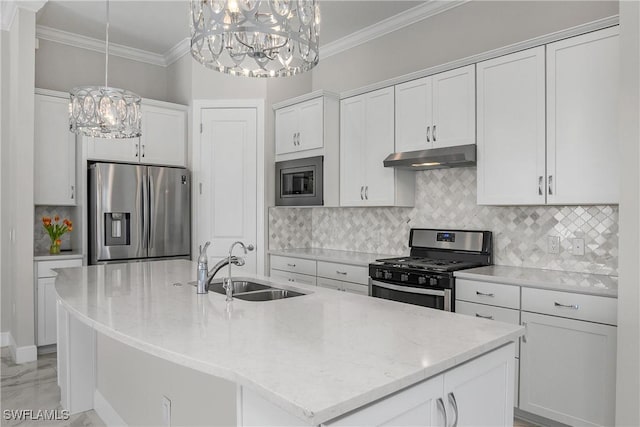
55 152
548 134
163 140
511 129
300 127
164 134
583 154
436 111
366 139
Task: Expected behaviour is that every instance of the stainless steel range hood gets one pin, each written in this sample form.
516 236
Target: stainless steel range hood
434 158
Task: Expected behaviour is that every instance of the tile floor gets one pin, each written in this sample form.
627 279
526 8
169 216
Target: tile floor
33 386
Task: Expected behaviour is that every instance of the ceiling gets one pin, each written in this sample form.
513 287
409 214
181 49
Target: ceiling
157 26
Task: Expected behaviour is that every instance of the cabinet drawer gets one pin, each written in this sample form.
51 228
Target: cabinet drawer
500 314
45 267
295 265
293 277
339 285
574 306
488 293
344 272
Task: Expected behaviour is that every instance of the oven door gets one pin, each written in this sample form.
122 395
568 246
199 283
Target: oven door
439 299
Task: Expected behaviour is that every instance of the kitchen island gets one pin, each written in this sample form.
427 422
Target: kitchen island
322 358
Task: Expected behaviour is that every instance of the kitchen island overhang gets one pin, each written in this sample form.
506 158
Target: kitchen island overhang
315 357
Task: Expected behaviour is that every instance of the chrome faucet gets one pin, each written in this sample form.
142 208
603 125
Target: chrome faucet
205 276
228 285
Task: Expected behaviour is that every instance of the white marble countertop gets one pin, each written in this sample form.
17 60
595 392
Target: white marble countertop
583 283
316 356
331 255
62 255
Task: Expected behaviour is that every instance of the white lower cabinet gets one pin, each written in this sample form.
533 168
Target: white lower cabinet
293 277
568 370
340 285
475 393
46 325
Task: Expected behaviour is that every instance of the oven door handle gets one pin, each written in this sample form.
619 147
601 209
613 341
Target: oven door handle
408 289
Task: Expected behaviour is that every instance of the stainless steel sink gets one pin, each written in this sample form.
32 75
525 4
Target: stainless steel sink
268 295
239 286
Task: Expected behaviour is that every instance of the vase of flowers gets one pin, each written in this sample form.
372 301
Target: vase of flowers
56 230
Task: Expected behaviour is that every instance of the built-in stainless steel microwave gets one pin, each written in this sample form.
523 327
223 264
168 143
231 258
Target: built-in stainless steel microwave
299 182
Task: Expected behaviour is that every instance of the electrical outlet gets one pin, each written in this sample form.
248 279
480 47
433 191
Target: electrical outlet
553 244
577 247
166 411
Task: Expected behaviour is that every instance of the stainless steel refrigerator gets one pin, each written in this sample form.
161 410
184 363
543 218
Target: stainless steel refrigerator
138 213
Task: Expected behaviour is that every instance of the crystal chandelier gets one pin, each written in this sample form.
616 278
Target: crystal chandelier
103 111
255 38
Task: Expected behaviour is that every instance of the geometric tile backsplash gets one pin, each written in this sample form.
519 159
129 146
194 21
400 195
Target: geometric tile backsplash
446 198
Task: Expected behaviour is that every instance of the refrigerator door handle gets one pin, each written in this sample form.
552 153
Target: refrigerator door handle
144 211
151 201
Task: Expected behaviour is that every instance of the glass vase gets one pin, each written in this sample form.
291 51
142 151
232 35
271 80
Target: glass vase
54 249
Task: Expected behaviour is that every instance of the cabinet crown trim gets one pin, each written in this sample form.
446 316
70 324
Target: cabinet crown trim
305 97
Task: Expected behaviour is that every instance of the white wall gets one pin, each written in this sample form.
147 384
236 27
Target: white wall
6 289
179 81
628 378
475 27
62 67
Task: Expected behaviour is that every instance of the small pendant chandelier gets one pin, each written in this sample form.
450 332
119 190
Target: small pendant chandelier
103 111
255 38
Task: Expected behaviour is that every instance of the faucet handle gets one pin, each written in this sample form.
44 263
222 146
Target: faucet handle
204 250
250 247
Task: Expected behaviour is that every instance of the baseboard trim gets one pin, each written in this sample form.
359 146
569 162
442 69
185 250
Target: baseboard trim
536 419
106 412
5 339
25 354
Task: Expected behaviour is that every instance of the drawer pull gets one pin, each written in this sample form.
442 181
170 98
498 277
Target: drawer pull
571 306
344 273
290 280
482 294
482 316
291 265
524 337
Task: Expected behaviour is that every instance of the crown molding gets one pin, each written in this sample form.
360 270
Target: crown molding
89 43
9 8
389 25
178 51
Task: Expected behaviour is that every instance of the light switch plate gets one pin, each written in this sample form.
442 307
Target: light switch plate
577 247
553 244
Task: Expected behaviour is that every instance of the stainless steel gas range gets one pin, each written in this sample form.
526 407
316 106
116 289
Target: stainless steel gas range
425 277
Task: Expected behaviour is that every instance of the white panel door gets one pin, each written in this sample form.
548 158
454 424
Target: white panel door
227 206
583 153
286 129
116 150
413 115
163 136
55 153
454 107
568 370
379 124
511 129
310 124
47 320
352 142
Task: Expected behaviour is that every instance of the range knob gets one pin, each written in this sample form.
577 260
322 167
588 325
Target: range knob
422 280
433 281
378 273
388 275
404 277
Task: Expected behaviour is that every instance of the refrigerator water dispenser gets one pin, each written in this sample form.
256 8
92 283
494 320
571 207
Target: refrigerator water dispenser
117 228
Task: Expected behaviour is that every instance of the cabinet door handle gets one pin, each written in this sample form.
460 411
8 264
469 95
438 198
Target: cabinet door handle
483 316
142 150
366 192
540 178
428 133
571 306
290 280
73 191
361 192
433 134
136 155
550 185
444 411
344 273
291 265
482 294
524 337
452 400
298 139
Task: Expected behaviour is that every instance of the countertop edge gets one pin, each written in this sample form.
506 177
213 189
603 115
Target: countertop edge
62 256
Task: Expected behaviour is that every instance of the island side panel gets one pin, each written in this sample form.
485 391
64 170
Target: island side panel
134 383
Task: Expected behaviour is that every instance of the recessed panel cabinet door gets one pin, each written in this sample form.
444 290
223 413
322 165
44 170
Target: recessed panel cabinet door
511 129
352 142
310 124
163 140
583 154
413 115
286 129
454 107
568 370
